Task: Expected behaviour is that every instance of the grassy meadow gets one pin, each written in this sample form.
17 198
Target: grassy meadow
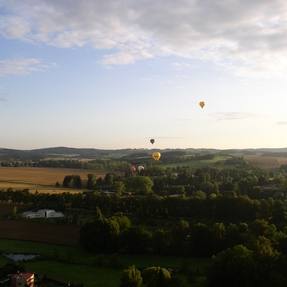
72 264
88 275
198 163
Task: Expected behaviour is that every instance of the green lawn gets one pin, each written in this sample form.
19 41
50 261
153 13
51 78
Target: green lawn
75 265
3 261
195 163
79 256
142 261
88 275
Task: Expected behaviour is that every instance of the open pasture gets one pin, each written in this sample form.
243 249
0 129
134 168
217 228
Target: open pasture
88 275
199 163
72 264
76 255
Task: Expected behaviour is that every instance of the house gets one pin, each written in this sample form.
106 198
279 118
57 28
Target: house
50 213
31 214
42 213
22 280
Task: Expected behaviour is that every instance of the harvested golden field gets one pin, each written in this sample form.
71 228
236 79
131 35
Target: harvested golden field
266 162
40 179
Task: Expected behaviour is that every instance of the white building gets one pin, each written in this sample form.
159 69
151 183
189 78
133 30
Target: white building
42 213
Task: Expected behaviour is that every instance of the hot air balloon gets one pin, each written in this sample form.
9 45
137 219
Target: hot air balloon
140 168
152 141
156 155
202 104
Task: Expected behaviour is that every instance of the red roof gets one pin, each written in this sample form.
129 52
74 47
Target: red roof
22 279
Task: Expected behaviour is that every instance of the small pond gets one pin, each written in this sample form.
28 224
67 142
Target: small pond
17 257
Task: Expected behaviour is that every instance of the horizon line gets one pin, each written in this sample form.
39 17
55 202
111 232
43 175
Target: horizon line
140 148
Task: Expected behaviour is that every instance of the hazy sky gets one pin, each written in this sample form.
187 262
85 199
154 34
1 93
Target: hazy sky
112 74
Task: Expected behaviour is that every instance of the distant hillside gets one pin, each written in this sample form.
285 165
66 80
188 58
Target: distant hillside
90 153
62 152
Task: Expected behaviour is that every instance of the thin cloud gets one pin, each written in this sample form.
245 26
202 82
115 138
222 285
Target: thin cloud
21 66
282 123
3 99
244 37
231 116
168 137
226 116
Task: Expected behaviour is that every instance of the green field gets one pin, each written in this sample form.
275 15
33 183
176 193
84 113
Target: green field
3 261
75 265
77 255
88 275
74 273
196 163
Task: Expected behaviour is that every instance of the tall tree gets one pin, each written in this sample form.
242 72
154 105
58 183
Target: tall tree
131 277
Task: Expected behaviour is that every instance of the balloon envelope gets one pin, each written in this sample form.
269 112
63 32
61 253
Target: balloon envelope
140 168
202 104
156 155
152 141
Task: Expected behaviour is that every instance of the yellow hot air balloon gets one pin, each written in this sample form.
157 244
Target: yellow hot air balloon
202 104
156 155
